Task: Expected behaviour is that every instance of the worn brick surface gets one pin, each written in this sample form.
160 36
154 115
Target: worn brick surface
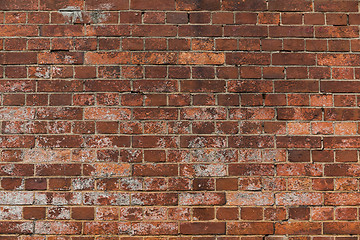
179 119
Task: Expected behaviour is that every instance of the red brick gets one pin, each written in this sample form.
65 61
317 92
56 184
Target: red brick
107 86
341 199
155 228
250 228
296 86
299 113
202 228
62 30
109 31
18 30
107 58
106 5
82 213
247 5
298 142
154 31
336 32
62 227
149 199
155 170
58 170
295 228
161 5
191 5
296 6
245 31
291 31
293 59
339 228
61 58
16 227
339 6
201 58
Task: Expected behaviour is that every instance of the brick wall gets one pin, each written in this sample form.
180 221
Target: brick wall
179 119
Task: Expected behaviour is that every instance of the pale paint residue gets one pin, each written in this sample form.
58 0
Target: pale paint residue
250 155
82 183
214 155
62 199
106 6
155 213
16 113
202 142
55 227
69 59
298 198
83 155
16 198
161 143
106 213
100 113
98 16
24 227
210 170
150 182
59 212
145 228
250 199
10 213
46 155
273 155
42 198
8 168
205 198
42 72
56 70
71 14
105 198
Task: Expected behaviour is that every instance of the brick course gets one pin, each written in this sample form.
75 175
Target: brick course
179 119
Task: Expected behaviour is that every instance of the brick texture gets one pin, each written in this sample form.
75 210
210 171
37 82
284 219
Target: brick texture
179 119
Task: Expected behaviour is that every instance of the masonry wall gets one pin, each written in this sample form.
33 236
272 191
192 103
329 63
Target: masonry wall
179 119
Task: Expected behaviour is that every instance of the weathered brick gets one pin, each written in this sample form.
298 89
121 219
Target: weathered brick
298 198
63 228
107 58
61 58
250 228
106 5
107 113
249 199
248 58
121 118
16 227
205 198
201 58
155 228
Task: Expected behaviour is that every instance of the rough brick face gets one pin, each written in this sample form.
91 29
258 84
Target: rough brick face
179 119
